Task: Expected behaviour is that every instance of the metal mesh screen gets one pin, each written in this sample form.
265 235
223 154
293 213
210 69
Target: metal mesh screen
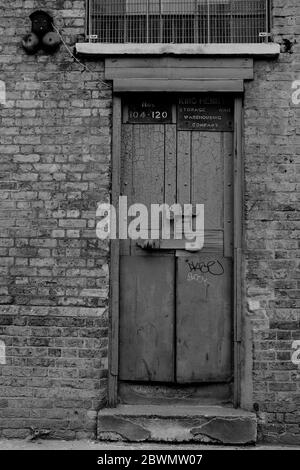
178 21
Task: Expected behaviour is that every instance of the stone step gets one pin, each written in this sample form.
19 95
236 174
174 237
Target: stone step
162 423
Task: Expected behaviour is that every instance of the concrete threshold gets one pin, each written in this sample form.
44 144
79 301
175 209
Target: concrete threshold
177 424
48 445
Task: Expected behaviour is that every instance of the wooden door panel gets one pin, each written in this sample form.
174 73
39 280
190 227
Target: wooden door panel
176 313
147 294
148 164
203 299
207 176
143 167
203 317
147 305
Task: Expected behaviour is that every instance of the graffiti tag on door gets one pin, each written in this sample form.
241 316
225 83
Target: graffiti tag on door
201 271
213 267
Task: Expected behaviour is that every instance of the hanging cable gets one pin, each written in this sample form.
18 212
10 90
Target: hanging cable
106 85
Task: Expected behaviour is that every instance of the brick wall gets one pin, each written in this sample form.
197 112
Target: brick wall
55 154
272 169
55 168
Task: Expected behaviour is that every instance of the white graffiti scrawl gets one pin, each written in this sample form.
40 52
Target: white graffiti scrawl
2 353
296 93
2 93
296 354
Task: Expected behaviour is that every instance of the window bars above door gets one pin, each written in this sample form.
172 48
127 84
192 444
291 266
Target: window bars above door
178 21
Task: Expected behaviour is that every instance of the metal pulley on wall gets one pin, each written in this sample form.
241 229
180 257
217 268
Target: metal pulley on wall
51 41
42 35
31 43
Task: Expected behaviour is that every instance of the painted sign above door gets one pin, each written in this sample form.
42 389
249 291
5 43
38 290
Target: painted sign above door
204 113
200 112
148 110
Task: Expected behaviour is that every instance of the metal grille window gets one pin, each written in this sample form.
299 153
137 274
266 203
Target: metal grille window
178 21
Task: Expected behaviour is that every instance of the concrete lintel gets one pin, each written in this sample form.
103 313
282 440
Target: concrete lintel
242 50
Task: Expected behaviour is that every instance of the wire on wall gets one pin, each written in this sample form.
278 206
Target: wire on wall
106 85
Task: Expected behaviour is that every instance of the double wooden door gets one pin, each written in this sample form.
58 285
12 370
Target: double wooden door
176 309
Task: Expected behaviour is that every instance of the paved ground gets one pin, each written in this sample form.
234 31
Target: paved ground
90 445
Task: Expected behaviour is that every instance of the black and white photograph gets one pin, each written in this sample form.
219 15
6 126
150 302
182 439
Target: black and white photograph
149 232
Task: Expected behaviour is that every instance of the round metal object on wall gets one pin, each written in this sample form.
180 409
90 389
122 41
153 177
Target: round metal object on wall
31 43
51 41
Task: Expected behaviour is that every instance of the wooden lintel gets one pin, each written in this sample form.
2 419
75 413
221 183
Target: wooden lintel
161 73
174 86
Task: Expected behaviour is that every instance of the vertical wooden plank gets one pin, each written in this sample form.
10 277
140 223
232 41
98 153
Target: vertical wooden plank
208 177
238 217
126 176
227 151
183 167
148 166
114 262
170 164
147 319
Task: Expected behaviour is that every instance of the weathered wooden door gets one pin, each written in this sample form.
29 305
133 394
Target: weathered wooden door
176 306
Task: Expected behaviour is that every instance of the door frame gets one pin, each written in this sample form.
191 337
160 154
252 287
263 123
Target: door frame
238 206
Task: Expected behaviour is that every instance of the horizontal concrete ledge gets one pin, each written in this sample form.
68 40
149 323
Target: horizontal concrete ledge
251 50
210 425
175 411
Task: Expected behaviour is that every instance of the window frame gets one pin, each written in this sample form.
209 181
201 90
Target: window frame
93 39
